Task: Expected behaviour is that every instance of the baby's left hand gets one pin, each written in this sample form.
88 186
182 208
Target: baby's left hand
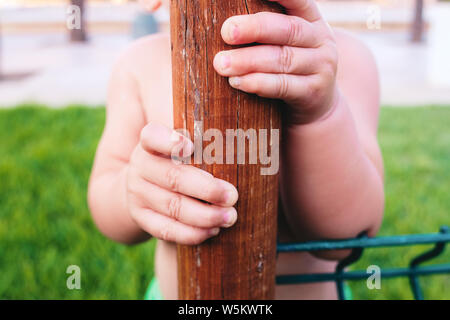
296 61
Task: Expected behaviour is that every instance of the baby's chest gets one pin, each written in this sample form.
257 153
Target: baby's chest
157 101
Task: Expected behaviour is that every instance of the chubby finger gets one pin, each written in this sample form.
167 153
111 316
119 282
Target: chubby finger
156 137
289 88
306 9
185 209
266 59
167 229
270 28
186 179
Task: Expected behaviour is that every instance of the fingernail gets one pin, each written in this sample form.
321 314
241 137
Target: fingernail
228 193
229 218
234 32
228 196
214 232
225 61
234 81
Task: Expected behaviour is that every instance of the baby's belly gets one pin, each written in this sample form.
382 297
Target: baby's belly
287 263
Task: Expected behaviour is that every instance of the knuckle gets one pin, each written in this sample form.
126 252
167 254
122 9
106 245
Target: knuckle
285 59
173 178
165 232
282 86
294 31
174 207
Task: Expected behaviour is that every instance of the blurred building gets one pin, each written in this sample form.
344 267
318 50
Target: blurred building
117 15
35 48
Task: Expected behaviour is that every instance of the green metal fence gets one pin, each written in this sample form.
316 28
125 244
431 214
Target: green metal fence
413 271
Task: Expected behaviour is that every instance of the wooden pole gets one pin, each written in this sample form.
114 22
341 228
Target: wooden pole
240 262
418 24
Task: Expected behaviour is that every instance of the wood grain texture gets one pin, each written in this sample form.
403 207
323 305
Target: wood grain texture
240 262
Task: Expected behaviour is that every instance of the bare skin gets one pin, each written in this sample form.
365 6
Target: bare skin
331 166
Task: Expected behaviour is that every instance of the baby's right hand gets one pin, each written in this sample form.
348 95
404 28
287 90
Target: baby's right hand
175 202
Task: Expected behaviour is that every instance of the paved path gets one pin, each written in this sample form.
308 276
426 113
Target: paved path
64 73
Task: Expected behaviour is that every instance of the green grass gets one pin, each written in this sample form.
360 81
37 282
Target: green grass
416 149
45 226
45 160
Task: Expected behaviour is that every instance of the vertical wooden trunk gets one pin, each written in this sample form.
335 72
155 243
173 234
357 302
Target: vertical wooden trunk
240 262
418 24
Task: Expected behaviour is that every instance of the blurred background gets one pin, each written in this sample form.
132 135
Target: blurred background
54 70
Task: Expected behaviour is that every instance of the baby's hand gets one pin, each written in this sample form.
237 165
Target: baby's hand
175 202
297 62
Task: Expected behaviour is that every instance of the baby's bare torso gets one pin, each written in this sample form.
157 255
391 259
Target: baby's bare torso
151 67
